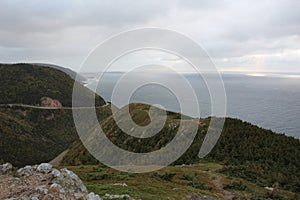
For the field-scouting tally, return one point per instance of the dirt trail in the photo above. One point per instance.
(56, 161)
(217, 181)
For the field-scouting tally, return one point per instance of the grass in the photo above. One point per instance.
(172, 182)
(146, 186)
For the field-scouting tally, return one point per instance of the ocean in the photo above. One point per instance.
(271, 101)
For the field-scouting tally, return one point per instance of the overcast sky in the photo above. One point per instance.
(262, 35)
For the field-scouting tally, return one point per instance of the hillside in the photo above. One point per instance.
(28, 83)
(30, 136)
(192, 182)
(245, 150)
(33, 135)
(256, 156)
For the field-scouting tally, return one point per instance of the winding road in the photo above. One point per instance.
(47, 108)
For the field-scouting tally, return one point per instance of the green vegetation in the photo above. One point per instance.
(168, 183)
(164, 184)
(37, 137)
(31, 135)
(258, 155)
(235, 185)
(247, 151)
(28, 83)
(28, 135)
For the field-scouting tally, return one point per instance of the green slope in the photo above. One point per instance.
(176, 182)
(247, 151)
(27, 83)
(37, 137)
(32, 135)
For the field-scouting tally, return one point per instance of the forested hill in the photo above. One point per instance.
(31, 135)
(28, 83)
(247, 151)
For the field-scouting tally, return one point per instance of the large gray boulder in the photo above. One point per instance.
(44, 168)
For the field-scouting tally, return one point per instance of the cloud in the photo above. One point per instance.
(232, 32)
(52, 16)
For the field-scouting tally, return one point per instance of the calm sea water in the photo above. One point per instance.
(271, 102)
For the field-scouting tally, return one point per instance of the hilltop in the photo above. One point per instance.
(68, 71)
(28, 83)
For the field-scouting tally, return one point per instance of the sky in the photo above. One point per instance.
(239, 36)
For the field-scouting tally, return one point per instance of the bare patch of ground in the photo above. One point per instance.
(56, 161)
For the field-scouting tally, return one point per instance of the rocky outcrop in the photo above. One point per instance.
(5, 169)
(51, 103)
(42, 182)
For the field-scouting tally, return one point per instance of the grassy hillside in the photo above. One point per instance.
(247, 151)
(175, 182)
(27, 83)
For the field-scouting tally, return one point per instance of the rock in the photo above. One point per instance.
(56, 173)
(41, 190)
(56, 188)
(44, 168)
(120, 184)
(48, 102)
(269, 188)
(42, 182)
(70, 173)
(74, 178)
(5, 168)
(116, 196)
(26, 171)
(93, 196)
